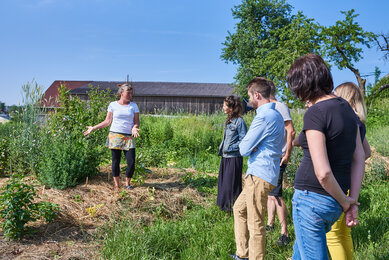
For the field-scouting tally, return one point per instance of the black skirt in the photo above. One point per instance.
(229, 184)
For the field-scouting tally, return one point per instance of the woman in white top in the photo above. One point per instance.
(123, 116)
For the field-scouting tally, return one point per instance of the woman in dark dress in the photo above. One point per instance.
(230, 174)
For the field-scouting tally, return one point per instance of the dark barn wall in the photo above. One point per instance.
(158, 104)
(155, 104)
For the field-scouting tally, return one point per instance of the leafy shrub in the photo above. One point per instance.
(67, 159)
(67, 156)
(17, 207)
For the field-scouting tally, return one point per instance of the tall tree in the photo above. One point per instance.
(268, 38)
(2, 106)
(343, 44)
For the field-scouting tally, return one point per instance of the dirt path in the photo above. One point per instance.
(88, 207)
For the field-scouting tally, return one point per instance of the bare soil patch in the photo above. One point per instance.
(87, 207)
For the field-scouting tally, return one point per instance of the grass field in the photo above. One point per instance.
(172, 215)
(204, 232)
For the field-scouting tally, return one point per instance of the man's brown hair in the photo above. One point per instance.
(260, 85)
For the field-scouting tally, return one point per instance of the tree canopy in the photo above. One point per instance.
(343, 43)
(268, 38)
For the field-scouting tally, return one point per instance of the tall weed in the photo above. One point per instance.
(24, 140)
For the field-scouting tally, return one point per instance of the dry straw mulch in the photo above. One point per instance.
(92, 205)
(375, 156)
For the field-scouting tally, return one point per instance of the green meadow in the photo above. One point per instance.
(204, 232)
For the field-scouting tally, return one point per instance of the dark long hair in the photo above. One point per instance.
(233, 102)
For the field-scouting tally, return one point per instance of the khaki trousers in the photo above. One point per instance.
(249, 218)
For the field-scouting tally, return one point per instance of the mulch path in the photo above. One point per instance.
(88, 207)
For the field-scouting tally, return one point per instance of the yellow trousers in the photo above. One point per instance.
(339, 240)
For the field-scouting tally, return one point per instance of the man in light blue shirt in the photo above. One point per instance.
(263, 145)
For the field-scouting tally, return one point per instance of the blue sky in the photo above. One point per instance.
(153, 40)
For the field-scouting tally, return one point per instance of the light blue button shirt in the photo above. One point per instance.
(266, 134)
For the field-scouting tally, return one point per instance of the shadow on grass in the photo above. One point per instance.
(202, 182)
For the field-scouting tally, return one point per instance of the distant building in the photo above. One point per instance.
(154, 97)
(4, 118)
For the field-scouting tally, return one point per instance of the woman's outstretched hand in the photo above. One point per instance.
(135, 132)
(90, 129)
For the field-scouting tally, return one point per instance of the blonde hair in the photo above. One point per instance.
(350, 92)
(124, 87)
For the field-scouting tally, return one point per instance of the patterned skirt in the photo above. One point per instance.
(119, 141)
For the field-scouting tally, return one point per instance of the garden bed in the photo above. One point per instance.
(87, 207)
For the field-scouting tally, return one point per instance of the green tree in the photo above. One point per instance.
(343, 44)
(268, 38)
(2, 106)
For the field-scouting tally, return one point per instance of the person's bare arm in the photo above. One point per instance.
(295, 141)
(318, 151)
(290, 134)
(357, 173)
(366, 148)
(135, 128)
(105, 123)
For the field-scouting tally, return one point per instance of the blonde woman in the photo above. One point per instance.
(123, 116)
(339, 239)
(353, 95)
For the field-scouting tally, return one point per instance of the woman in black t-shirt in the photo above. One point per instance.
(333, 159)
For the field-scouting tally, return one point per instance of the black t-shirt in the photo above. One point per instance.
(337, 121)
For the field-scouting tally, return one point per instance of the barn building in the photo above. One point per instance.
(155, 97)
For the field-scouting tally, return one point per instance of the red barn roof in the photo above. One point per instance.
(50, 97)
